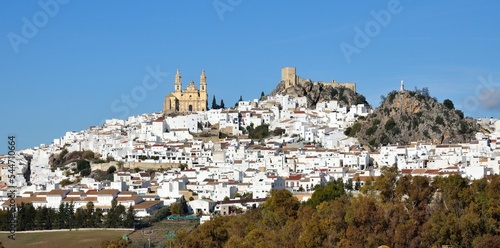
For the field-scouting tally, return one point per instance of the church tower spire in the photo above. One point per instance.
(203, 82)
(178, 82)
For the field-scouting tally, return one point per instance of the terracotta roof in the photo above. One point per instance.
(294, 177)
(107, 191)
(146, 204)
(25, 200)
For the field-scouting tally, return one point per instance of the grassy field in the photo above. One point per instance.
(72, 239)
(93, 238)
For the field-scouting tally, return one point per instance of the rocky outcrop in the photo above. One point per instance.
(319, 92)
(408, 116)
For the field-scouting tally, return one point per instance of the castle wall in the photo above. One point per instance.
(289, 76)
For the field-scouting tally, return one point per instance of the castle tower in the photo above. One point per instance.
(289, 76)
(203, 82)
(178, 82)
(402, 87)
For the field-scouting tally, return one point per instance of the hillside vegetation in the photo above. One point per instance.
(409, 116)
(396, 210)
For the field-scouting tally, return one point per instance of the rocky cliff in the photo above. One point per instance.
(319, 92)
(407, 116)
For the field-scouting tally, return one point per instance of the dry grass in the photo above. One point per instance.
(72, 239)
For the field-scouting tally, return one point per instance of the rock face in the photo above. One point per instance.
(408, 116)
(319, 92)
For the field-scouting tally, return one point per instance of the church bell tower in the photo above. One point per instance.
(203, 82)
(178, 82)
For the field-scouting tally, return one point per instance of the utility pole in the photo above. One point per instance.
(149, 236)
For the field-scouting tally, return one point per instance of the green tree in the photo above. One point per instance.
(80, 217)
(183, 166)
(111, 169)
(329, 192)
(278, 208)
(239, 100)
(262, 96)
(113, 216)
(259, 132)
(448, 104)
(91, 220)
(180, 207)
(386, 182)
(278, 131)
(82, 164)
(214, 103)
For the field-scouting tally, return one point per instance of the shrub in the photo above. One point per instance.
(354, 129)
(390, 124)
(88, 155)
(111, 169)
(371, 130)
(439, 120)
(110, 158)
(82, 164)
(85, 172)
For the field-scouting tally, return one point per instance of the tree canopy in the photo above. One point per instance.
(403, 211)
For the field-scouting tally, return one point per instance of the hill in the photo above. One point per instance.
(406, 116)
(318, 92)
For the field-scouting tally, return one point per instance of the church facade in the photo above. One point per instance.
(191, 99)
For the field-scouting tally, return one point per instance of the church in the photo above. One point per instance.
(189, 100)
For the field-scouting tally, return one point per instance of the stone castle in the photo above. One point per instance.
(290, 78)
(189, 100)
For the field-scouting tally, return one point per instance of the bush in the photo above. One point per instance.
(82, 164)
(259, 132)
(354, 129)
(88, 155)
(85, 172)
(384, 139)
(448, 104)
(111, 169)
(391, 96)
(390, 124)
(439, 120)
(278, 131)
(63, 153)
(371, 130)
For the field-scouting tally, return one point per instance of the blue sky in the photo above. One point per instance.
(72, 70)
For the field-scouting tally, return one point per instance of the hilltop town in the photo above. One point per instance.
(232, 158)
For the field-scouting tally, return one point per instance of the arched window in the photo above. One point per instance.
(190, 107)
